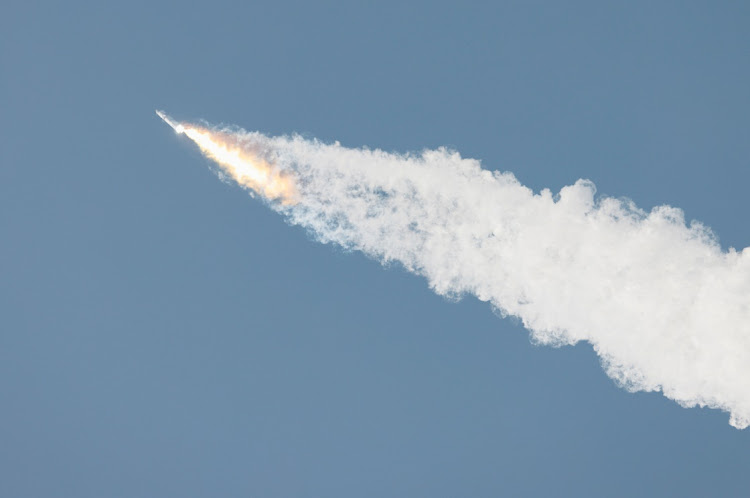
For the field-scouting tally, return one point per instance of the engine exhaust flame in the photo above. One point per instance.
(242, 166)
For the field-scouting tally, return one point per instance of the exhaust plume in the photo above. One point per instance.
(665, 308)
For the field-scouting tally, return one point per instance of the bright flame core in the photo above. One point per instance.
(244, 167)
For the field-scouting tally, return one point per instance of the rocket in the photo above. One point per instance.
(175, 126)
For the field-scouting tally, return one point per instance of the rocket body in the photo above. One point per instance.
(175, 126)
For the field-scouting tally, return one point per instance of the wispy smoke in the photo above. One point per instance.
(663, 306)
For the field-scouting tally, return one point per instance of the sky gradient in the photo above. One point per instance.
(163, 334)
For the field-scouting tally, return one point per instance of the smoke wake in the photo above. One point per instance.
(665, 308)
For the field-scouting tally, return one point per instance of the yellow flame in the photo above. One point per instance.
(244, 167)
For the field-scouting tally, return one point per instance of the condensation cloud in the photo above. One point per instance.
(665, 308)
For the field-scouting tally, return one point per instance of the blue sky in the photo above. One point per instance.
(163, 334)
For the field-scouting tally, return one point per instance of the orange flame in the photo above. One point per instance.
(244, 167)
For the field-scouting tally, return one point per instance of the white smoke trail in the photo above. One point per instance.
(663, 306)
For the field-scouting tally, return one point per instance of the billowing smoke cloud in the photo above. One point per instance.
(663, 306)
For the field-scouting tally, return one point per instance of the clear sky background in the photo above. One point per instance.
(163, 334)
